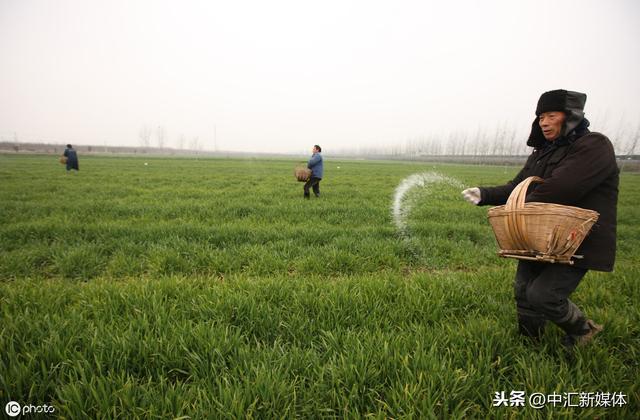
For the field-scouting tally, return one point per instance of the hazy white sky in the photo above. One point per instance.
(283, 75)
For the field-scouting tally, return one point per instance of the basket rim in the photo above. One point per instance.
(539, 206)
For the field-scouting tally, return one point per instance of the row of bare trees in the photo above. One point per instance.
(146, 135)
(500, 141)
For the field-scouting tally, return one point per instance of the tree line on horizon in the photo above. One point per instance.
(501, 141)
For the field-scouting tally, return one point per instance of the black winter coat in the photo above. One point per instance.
(580, 171)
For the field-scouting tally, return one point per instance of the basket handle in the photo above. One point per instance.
(515, 223)
(519, 193)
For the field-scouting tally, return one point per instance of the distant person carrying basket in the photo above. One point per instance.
(72, 158)
(317, 170)
(579, 169)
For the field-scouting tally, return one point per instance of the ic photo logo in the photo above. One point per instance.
(12, 409)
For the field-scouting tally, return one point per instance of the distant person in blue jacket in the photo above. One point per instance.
(72, 158)
(317, 170)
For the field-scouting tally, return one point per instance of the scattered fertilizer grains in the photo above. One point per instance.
(208, 288)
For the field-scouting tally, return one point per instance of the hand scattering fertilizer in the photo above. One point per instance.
(533, 231)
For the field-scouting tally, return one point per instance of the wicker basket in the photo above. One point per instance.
(302, 173)
(63, 160)
(539, 231)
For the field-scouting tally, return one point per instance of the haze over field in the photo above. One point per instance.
(280, 76)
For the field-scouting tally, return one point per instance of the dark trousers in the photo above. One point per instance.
(542, 293)
(314, 183)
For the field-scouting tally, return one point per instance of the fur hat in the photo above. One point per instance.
(569, 102)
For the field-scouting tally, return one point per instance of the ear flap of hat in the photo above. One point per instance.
(574, 111)
(536, 138)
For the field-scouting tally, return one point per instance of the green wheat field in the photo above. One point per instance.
(208, 288)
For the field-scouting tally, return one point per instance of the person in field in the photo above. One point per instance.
(72, 158)
(579, 169)
(317, 171)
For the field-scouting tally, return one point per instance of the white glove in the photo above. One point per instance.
(472, 195)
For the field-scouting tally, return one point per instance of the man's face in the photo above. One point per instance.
(551, 124)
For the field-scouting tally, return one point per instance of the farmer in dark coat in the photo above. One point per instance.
(317, 171)
(72, 158)
(579, 169)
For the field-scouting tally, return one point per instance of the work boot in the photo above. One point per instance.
(570, 341)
